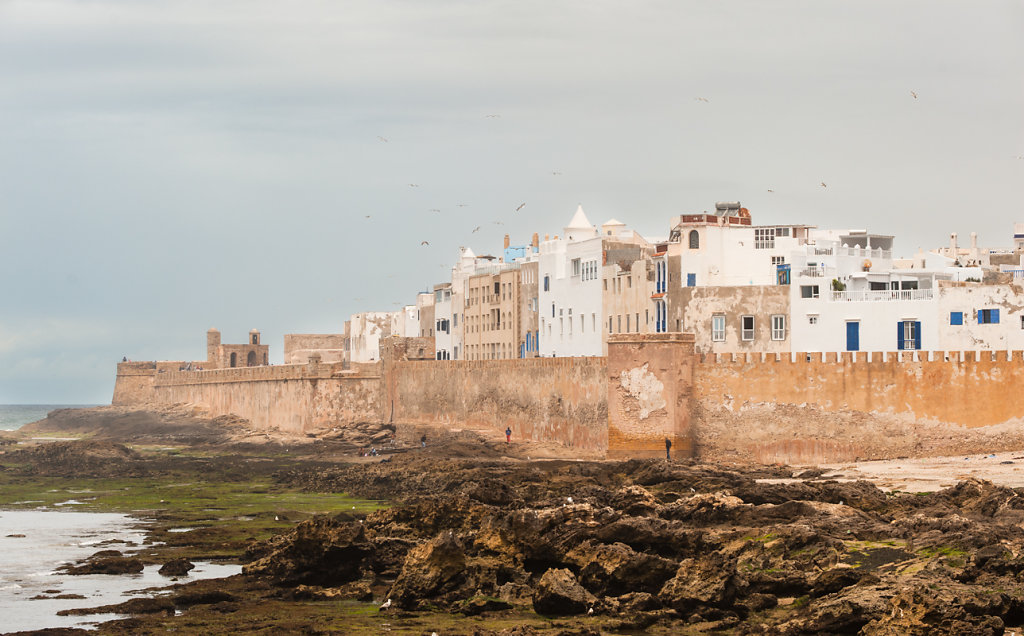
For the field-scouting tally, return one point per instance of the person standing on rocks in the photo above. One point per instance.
(668, 449)
(508, 435)
(423, 441)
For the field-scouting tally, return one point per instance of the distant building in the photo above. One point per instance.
(250, 354)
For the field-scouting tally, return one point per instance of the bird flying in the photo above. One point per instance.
(823, 184)
(913, 94)
(414, 185)
(770, 190)
(556, 173)
(382, 139)
(492, 116)
(475, 229)
(424, 242)
(701, 99)
(521, 206)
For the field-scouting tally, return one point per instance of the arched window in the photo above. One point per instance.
(694, 240)
(250, 360)
(234, 360)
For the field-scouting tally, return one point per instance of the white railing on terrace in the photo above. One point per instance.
(862, 251)
(817, 272)
(861, 295)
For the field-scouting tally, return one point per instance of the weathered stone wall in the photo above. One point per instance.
(840, 407)
(295, 399)
(134, 383)
(649, 384)
(299, 346)
(561, 400)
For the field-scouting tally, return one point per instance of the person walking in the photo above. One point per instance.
(508, 435)
(668, 449)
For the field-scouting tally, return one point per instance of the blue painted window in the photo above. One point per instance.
(988, 316)
(908, 335)
(547, 283)
(853, 336)
(956, 317)
(691, 280)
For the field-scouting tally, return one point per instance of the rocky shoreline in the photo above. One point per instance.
(476, 541)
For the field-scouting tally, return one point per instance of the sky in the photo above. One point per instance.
(171, 166)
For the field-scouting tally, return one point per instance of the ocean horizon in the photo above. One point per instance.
(14, 416)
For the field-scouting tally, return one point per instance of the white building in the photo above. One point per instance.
(365, 331)
(443, 319)
(571, 271)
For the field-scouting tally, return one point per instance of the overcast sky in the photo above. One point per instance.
(169, 166)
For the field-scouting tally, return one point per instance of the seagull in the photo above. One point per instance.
(701, 99)
(367, 216)
(491, 116)
(434, 210)
(521, 206)
(461, 205)
(569, 499)
(823, 184)
(590, 611)
(498, 223)
(382, 139)
(770, 190)
(386, 604)
(475, 229)
(424, 242)
(276, 518)
(414, 185)
(913, 94)
(556, 173)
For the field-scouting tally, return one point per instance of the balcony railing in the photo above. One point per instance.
(862, 295)
(817, 272)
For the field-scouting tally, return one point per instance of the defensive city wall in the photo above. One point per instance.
(794, 408)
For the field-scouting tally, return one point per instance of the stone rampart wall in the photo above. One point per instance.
(560, 400)
(819, 408)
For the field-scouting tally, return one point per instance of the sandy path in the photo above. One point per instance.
(934, 473)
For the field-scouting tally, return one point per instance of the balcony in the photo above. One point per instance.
(819, 271)
(869, 295)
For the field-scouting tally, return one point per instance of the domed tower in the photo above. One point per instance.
(212, 347)
(254, 337)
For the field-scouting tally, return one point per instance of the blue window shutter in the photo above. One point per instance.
(691, 280)
(899, 336)
(956, 318)
(994, 315)
(917, 335)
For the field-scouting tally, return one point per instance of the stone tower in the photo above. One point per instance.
(254, 337)
(212, 346)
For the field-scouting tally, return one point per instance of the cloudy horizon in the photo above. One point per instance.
(168, 166)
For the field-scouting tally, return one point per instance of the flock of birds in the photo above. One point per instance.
(426, 243)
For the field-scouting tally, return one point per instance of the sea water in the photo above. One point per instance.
(52, 538)
(14, 416)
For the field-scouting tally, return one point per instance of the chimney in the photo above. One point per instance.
(952, 244)
(507, 241)
(535, 242)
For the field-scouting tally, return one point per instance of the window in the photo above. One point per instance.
(660, 269)
(808, 291)
(455, 320)
(547, 283)
(988, 316)
(1022, 322)
(660, 316)
(627, 323)
(618, 323)
(764, 238)
(691, 280)
(575, 267)
(779, 327)
(747, 324)
(497, 288)
(812, 319)
(694, 240)
(610, 325)
(908, 333)
(778, 260)
(782, 231)
(718, 328)
(956, 317)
